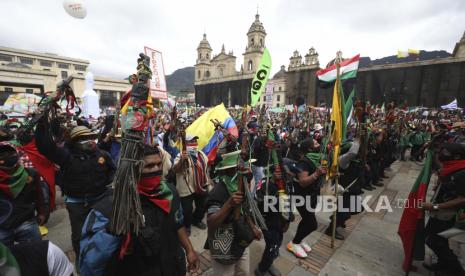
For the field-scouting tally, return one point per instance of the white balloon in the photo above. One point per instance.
(75, 8)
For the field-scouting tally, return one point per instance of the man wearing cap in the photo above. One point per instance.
(86, 172)
(191, 170)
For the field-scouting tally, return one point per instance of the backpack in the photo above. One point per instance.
(98, 246)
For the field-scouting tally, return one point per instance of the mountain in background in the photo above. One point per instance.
(424, 55)
(181, 81)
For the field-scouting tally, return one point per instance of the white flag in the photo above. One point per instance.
(452, 105)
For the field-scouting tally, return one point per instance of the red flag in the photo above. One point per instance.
(44, 167)
(412, 223)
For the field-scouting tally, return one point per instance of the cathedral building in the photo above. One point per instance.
(216, 77)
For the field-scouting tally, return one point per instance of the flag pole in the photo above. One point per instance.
(336, 185)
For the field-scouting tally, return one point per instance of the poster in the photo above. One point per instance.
(158, 83)
(269, 95)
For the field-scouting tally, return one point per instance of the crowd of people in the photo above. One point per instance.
(276, 154)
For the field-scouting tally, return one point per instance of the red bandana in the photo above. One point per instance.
(156, 191)
(451, 167)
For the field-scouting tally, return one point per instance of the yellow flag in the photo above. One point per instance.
(413, 52)
(402, 54)
(336, 121)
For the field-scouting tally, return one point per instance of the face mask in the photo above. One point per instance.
(87, 145)
(191, 148)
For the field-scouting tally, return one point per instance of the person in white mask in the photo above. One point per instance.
(191, 168)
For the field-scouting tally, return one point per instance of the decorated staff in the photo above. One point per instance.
(49, 104)
(250, 209)
(127, 213)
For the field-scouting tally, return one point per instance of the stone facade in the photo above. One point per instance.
(24, 71)
(430, 83)
(216, 77)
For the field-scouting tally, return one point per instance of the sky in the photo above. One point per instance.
(115, 31)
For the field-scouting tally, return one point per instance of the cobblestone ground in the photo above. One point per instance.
(371, 247)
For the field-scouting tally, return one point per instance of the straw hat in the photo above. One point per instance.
(230, 160)
(81, 131)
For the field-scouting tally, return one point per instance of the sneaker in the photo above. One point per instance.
(298, 251)
(306, 247)
(200, 225)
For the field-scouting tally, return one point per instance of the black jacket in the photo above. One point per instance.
(84, 175)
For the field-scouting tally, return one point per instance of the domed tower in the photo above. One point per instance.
(202, 66)
(255, 45)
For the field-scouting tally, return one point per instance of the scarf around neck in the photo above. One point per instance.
(13, 184)
(314, 157)
(156, 191)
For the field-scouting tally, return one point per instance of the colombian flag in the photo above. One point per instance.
(209, 139)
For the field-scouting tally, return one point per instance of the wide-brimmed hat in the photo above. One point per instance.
(81, 131)
(317, 127)
(230, 160)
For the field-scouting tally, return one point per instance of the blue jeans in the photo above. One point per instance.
(258, 175)
(26, 232)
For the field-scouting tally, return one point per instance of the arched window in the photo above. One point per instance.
(208, 56)
(221, 72)
(198, 74)
(200, 55)
(249, 66)
(252, 41)
(207, 74)
(261, 42)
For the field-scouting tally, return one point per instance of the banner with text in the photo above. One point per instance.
(158, 82)
(261, 77)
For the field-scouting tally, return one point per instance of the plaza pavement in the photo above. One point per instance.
(372, 246)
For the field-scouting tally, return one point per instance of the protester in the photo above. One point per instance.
(21, 191)
(229, 255)
(450, 198)
(86, 172)
(191, 168)
(158, 248)
(308, 184)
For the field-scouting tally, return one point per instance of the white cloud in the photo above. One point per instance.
(115, 31)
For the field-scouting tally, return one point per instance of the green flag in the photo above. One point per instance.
(347, 113)
(8, 264)
(261, 77)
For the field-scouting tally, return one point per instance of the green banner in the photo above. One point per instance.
(261, 77)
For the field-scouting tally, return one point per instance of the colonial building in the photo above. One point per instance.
(24, 71)
(216, 77)
(301, 81)
(430, 79)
